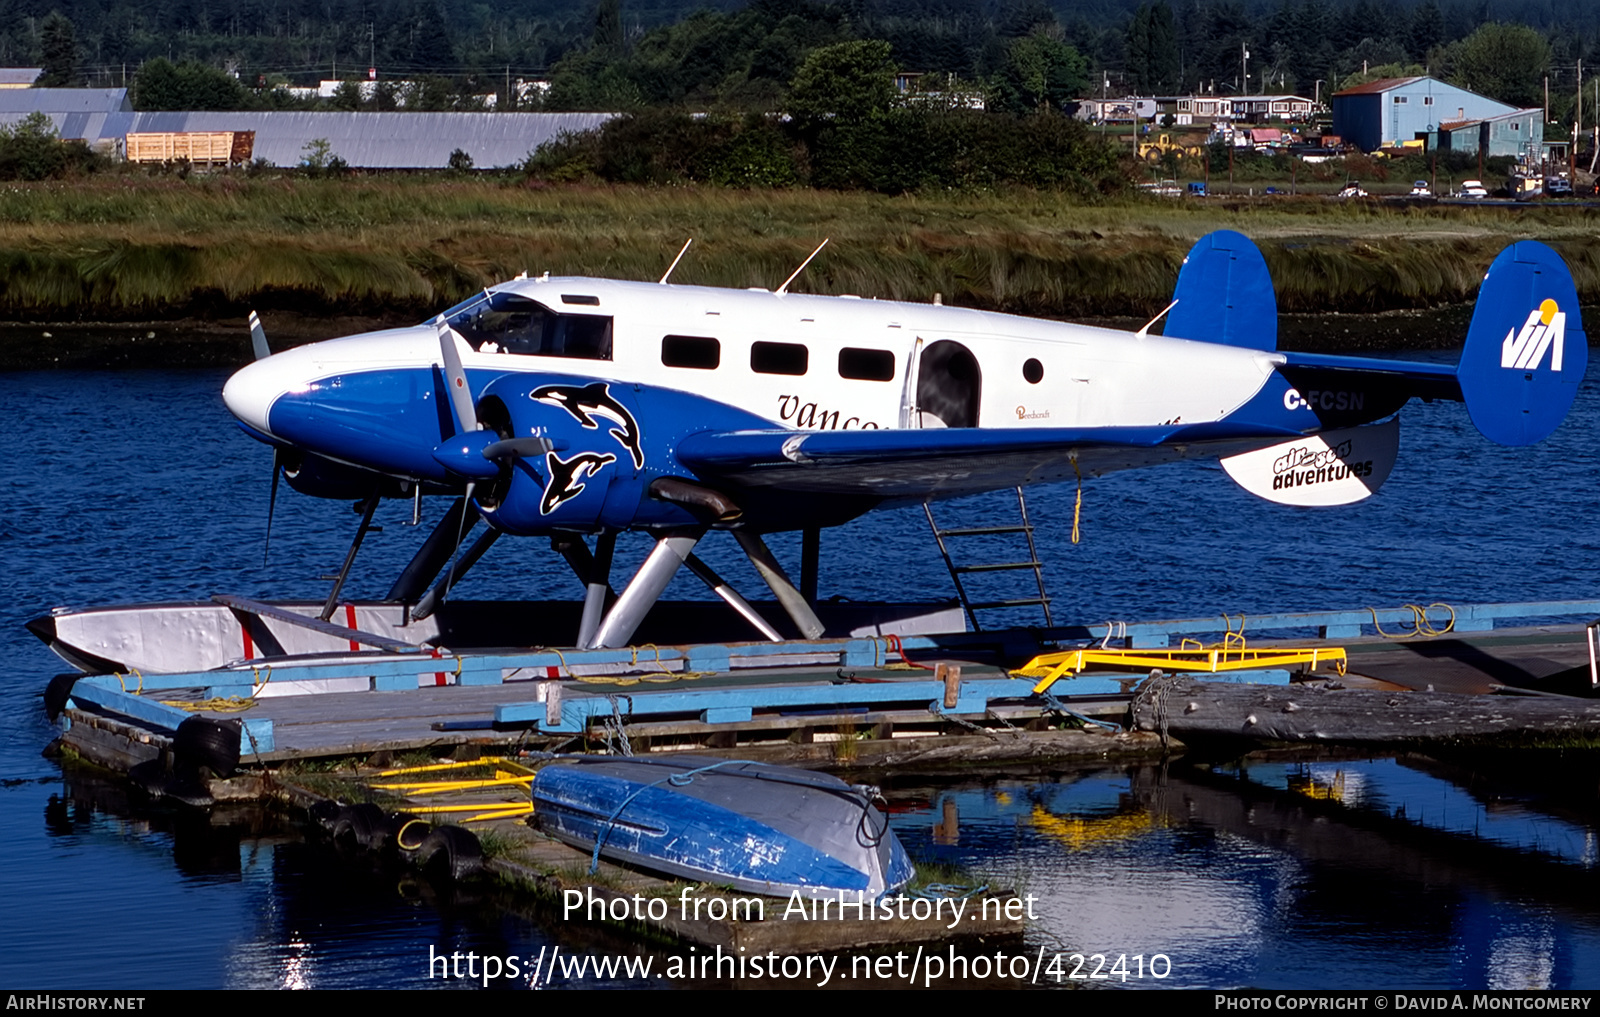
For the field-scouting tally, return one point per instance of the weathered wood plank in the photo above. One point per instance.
(1188, 710)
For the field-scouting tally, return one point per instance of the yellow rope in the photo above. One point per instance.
(1420, 625)
(217, 704)
(1077, 508)
(400, 838)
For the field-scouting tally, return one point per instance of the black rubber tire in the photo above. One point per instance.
(202, 741)
(57, 693)
(449, 852)
(363, 826)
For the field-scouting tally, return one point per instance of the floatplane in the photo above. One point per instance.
(578, 408)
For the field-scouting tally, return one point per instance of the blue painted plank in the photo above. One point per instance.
(107, 694)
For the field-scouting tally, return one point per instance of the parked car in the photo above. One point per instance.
(1420, 189)
(1352, 190)
(1197, 189)
(1472, 189)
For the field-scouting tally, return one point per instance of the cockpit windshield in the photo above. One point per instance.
(501, 322)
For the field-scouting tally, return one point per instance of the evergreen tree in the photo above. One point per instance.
(608, 26)
(1138, 65)
(1427, 29)
(1165, 66)
(58, 48)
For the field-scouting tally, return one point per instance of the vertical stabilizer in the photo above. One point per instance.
(1225, 294)
(1526, 351)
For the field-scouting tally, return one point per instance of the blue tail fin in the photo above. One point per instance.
(1526, 352)
(1225, 295)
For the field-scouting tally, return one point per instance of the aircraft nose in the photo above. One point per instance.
(250, 393)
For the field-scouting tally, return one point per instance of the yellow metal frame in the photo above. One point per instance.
(1051, 667)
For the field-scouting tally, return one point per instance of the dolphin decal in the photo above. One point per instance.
(589, 401)
(566, 477)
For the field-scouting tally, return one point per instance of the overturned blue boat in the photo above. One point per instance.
(758, 828)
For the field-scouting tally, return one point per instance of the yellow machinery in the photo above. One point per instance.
(1230, 656)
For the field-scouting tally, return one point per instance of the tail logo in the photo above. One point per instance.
(1546, 328)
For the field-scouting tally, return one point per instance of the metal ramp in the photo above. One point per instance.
(957, 572)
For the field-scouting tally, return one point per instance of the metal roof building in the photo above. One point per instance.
(1392, 110)
(363, 140)
(19, 77)
(1519, 133)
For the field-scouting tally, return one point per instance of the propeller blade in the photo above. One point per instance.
(518, 448)
(258, 338)
(272, 500)
(456, 379)
(461, 533)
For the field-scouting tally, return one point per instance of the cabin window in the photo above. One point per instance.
(1032, 371)
(866, 365)
(512, 323)
(580, 298)
(778, 358)
(700, 353)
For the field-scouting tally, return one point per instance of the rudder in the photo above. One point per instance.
(1526, 351)
(1225, 295)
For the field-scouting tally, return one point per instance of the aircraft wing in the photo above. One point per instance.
(942, 463)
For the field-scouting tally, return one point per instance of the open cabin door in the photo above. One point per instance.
(949, 385)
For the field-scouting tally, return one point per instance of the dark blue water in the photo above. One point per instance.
(136, 486)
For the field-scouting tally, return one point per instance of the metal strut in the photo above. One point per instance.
(597, 595)
(435, 552)
(793, 602)
(368, 507)
(430, 603)
(645, 589)
(720, 587)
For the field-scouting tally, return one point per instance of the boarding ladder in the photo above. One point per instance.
(957, 572)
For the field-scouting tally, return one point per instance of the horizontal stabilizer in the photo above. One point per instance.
(1526, 351)
(1331, 468)
(1224, 294)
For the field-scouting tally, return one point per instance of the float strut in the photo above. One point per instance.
(428, 604)
(804, 617)
(368, 507)
(810, 558)
(597, 595)
(644, 589)
(722, 589)
(434, 553)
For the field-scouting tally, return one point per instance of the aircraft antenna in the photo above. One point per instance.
(1146, 330)
(663, 280)
(781, 290)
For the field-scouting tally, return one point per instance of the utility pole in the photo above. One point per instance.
(1244, 70)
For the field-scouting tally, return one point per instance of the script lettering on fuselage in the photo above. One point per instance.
(793, 410)
(1327, 399)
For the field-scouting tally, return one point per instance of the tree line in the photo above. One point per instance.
(621, 54)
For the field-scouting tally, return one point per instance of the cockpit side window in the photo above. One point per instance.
(512, 323)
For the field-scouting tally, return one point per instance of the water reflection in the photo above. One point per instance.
(1286, 873)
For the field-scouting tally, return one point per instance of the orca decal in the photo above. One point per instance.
(585, 402)
(566, 477)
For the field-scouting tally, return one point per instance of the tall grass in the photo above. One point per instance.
(131, 247)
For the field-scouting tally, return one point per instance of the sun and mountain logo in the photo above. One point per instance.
(1546, 328)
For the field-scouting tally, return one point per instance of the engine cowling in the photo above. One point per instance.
(609, 442)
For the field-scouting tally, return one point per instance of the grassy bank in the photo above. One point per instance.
(123, 248)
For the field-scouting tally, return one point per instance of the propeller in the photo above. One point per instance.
(473, 453)
(258, 346)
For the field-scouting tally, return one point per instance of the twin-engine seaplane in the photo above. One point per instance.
(577, 408)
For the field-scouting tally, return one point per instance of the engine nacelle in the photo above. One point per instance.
(610, 441)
